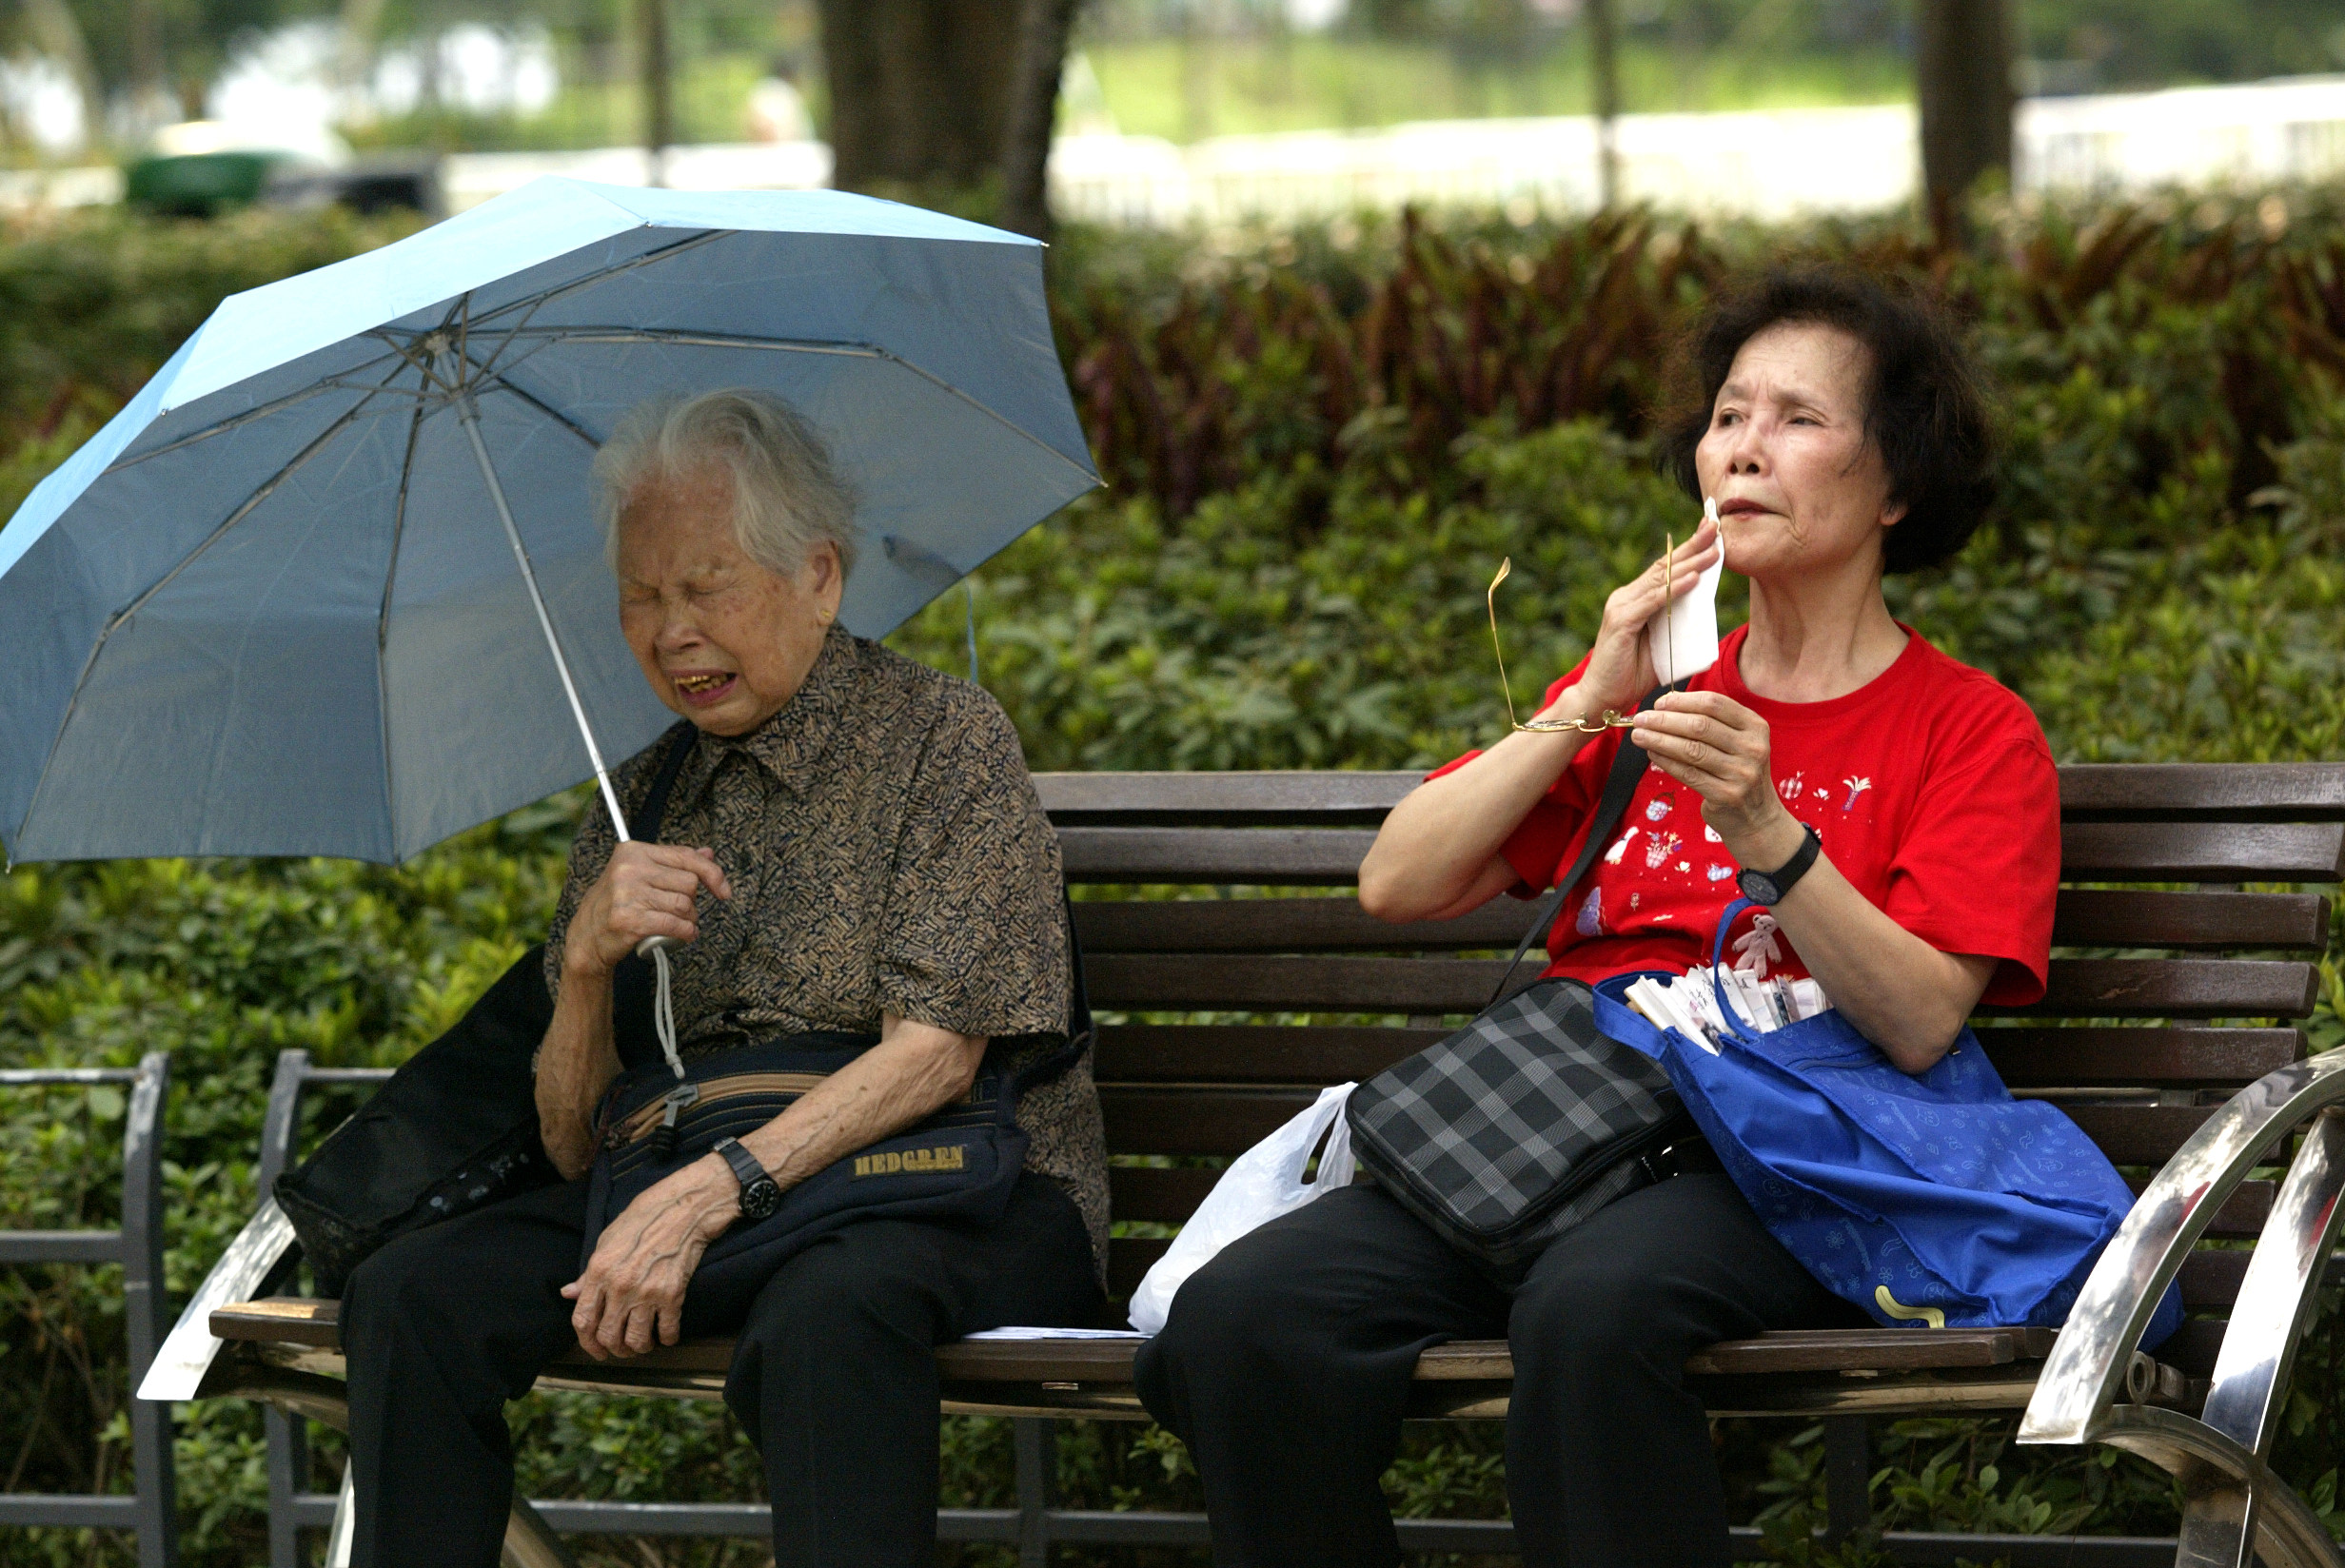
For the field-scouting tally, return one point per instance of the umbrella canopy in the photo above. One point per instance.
(272, 607)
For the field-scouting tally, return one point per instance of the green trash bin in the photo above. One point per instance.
(199, 185)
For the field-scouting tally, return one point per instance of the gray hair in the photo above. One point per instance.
(787, 497)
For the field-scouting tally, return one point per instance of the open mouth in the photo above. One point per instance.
(701, 689)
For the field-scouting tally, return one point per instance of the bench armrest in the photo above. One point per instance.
(239, 1275)
(2086, 1372)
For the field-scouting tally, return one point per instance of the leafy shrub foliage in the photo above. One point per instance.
(1318, 445)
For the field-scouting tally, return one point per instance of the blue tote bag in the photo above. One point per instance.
(1935, 1199)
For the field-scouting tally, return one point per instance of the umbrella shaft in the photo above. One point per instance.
(471, 418)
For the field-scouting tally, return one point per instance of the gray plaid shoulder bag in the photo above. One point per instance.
(1528, 1120)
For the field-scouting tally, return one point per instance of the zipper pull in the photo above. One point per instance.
(677, 1100)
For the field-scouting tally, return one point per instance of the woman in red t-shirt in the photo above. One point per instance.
(1905, 805)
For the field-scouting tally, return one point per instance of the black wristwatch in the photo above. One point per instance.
(759, 1196)
(1769, 887)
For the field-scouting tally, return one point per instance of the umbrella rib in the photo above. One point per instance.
(316, 389)
(383, 623)
(545, 408)
(114, 621)
(797, 346)
(530, 304)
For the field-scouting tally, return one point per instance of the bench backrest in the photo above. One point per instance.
(1228, 999)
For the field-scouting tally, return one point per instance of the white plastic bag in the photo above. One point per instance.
(1260, 1185)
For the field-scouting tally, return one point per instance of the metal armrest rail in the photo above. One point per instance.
(2232, 1504)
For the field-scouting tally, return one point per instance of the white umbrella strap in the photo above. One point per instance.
(663, 1013)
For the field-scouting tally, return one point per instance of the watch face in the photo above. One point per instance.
(760, 1199)
(1758, 887)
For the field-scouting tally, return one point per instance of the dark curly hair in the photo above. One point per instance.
(1925, 410)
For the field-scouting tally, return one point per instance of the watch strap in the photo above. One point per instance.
(745, 1167)
(1784, 878)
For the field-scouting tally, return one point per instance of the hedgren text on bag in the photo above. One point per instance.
(1929, 1198)
(1527, 1121)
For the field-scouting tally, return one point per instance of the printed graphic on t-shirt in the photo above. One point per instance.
(1931, 789)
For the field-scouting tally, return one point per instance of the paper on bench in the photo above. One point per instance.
(187, 1352)
(1059, 1334)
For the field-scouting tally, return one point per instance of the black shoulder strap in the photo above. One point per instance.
(1619, 785)
(647, 822)
(1080, 1030)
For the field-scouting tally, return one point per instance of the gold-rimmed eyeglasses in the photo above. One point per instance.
(1613, 719)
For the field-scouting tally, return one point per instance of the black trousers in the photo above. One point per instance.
(1286, 1366)
(834, 1375)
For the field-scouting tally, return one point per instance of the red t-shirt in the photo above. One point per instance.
(1932, 788)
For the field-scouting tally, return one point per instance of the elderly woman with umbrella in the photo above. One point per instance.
(856, 845)
(272, 609)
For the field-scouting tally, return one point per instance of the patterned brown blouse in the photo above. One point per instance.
(887, 852)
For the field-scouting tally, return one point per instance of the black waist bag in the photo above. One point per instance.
(1529, 1118)
(959, 1164)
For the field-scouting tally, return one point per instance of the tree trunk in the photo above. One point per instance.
(659, 90)
(920, 89)
(1603, 57)
(1966, 100)
(50, 26)
(151, 94)
(1033, 114)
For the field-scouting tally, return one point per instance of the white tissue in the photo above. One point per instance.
(1683, 638)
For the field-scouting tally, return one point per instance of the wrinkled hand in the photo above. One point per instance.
(1620, 667)
(632, 1294)
(646, 890)
(1722, 750)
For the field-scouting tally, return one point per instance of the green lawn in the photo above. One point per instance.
(1224, 86)
(1164, 87)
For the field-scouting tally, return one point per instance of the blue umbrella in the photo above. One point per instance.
(273, 607)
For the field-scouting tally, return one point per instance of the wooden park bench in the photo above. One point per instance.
(2169, 1033)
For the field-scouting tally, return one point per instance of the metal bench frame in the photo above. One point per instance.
(137, 1246)
(1211, 1088)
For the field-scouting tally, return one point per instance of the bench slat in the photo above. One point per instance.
(1165, 1196)
(1227, 1120)
(2296, 792)
(2260, 792)
(2131, 917)
(2201, 851)
(1169, 1196)
(2139, 1058)
(2026, 1057)
(2095, 917)
(1223, 800)
(1109, 1362)
(1249, 856)
(2090, 852)
(2117, 988)
(2210, 1279)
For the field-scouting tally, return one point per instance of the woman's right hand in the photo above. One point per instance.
(1620, 667)
(646, 890)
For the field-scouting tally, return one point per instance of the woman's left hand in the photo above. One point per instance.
(1721, 751)
(632, 1294)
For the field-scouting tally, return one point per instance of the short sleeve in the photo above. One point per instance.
(973, 937)
(1978, 870)
(1551, 828)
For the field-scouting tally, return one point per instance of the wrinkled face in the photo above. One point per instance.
(1800, 488)
(723, 641)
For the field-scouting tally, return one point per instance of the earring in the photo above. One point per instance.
(824, 615)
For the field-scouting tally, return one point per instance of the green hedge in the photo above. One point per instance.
(1319, 443)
